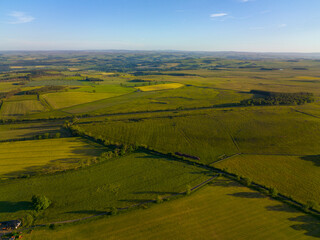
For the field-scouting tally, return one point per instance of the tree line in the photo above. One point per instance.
(273, 98)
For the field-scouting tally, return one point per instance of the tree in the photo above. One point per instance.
(57, 135)
(159, 199)
(188, 190)
(40, 202)
(46, 135)
(273, 192)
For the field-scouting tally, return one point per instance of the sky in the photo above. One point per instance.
(192, 25)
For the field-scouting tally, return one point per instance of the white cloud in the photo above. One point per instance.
(20, 17)
(283, 25)
(216, 15)
(244, 1)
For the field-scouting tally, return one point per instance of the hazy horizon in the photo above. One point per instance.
(259, 26)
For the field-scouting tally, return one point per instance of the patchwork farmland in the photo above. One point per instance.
(227, 148)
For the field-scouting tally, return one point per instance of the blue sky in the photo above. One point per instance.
(205, 25)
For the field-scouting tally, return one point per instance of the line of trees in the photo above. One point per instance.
(272, 98)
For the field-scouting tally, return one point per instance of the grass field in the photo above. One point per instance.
(212, 133)
(25, 157)
(66, 99)
(19, 108)
(160, 87)
(29, 130)
(118, 182)
(197, 135)
(224, 210)
(185, 97)
(298, 177)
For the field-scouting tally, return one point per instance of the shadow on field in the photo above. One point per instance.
(247, 195)
(312, 158)
(49, 167)
(157, 193)
(282, 208)
(309, 224)
(10, 207)
(135, 200)
(90, 212)
(224, 183)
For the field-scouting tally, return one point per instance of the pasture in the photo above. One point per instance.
(224, 210)
(12, 109)
(47, 155)
(20, 131)
(294, 176)
(119, 182)
(215, 133)
(198, 135)
(66, 99)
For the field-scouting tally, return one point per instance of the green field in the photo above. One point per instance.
(224, 210)
(199, 135)
(67, 99)
(184, 97)
(118, 182)
(298, 177)
(20, 131)
(212, 133)
(25, 157)
(13, 109)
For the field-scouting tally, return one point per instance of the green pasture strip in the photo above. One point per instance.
(225, 210)
(119, 182)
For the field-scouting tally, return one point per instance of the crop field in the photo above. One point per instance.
(186, 97)
(118, 182)
(29, 130)
(67, 99)
(160, 87)
(224, 210)
(19, 108)
(197, 135)
(24, 157)
(213, 133)
(293, 176)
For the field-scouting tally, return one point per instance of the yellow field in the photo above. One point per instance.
(28, 156)
(160, 87)
(223, 211)
(66, 99)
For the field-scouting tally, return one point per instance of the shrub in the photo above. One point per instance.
(188, 190)
(247, 181)
(273, 192)
(114, 211)
(40, 202)
(159, 199)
